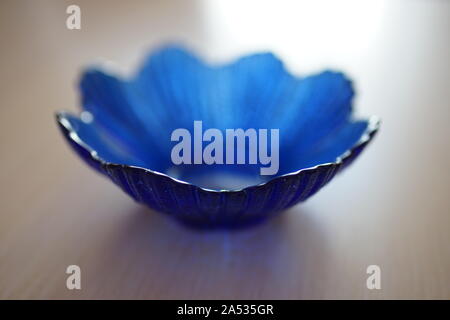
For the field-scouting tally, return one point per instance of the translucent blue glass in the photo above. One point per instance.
(125, 127)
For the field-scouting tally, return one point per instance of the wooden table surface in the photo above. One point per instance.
(391, 209)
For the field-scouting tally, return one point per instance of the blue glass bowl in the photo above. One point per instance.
(125, 127)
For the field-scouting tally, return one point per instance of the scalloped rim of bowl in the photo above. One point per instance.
(374, 123)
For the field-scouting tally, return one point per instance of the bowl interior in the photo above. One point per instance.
(134, 121)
